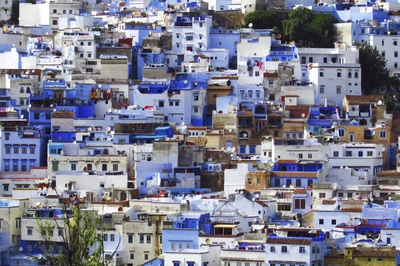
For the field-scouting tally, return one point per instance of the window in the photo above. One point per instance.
(18, 223)
(54, 166)
(54, 22)
(130, 238)
(54, 11)
(300, 204)
(383, 54)
(335, 154)
(380, 259)
(132, 256)
(141, 239)
(73, 166)
(8, 150)
(21, 90)
(333, 222)
(161, 104)
(322, 195)
(15, 167)
(148, 239)
(104, 167)
(64, 11)
(36, 116)
(322, 89)
(7, 136)
(349, 154)
(16, 150)
(105, 237)
(310, 60)
(24, 150)
(196, 109)
(32, 150)
(178, 263)
(338, 89)
(349, 75)
(310, 156)
(284, 249)
(189, 38)
(321, 221)
(302, 249)
(112, 237)
(396, 54)
(249, 181)
(356, 75)
(321, 74)
(29, 231)
(382, 134)
(5, 187)
(341, 132)
(369, 153)
(360, 154)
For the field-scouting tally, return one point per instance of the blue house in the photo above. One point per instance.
(185, 232)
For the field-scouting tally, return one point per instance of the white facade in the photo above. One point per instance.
(235, 179)
(34, 14)
(10, 59)
(361, 157)
(209, 253)
(191, 37)
(334, 73)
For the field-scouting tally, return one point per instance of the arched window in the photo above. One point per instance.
(143, 157)
(356, 75)
(21, 90)
(349, 75)
(28, 90)
(148, 157)
(21, 102)
(105, 151)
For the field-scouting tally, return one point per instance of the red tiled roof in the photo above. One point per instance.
(351, 210)
(388, 173)
(300, 191)
(286, 161)
(294, 174)
(288, 241)
(328, 202)
(63, 115)
(363, 99)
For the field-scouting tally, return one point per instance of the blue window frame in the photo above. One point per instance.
(242, 149)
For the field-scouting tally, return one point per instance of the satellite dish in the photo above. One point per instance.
(21, 249)
(182, 123)
(89, 129)
(303, 115)
(235, 243)
(253, 199)
(245, 135)
(208, 241)
(257, 196)
(22, 116)
(250, 25)
(222, 148)
(229, 149)
(380, 102)
(185, 81)
(39, 256)
(233, 149)
(150, 192)
(109, 110)
(51, 105)
(108, 129)
(209, 159)
(280, 109)
(157, 210)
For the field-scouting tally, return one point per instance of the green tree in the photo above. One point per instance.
(263, 19)
(73, 239)
(375, 77)
(309, 29)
